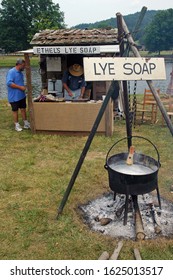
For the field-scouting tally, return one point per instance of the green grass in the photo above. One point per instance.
(35, 170)
(10, 60)
(153, 54)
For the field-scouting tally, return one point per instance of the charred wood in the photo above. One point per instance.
(157, 227)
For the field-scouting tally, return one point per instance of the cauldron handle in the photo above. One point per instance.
(158, 156)
(133, 137)
(105, 166)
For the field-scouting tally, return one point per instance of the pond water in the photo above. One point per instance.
(36, 82)
(35, 76)
(162, 84)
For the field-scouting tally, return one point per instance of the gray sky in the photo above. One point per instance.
(90, 11)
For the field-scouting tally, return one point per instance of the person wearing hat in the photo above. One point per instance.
(16, 93)
(73, 82)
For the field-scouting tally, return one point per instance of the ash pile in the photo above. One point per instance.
(106, 216)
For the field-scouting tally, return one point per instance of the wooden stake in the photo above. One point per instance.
(117, 250)
(29, 90)
(137, 254)
(104, 256)
(140, 234)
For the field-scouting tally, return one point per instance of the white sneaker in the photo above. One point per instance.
(18, 127)
(26, 125)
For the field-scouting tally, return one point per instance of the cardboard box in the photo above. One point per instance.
(69, 117)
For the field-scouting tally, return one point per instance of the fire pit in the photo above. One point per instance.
(135, 179)
(96, 211)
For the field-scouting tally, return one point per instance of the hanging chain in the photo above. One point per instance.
(128, 89)
(134, 108)
(130, 106)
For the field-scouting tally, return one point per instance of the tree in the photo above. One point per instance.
(21, 19)
(158, 34)
(129, 19)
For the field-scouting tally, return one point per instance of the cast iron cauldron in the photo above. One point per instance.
(140, 179)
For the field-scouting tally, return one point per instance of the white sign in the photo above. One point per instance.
(67, 50)
(122, 69)
(87, 50)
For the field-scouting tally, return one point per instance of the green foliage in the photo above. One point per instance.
(21, 19)
(158, 34)
(129, 19)
(10, 60)
(155, 31)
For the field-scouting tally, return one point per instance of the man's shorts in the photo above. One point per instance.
(21, 104)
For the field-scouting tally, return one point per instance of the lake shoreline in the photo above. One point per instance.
(36, 80)
(10, 60)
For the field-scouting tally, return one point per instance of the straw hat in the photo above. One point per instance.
(76, 70)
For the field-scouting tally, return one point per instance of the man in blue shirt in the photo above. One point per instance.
(73, 82)
(16, 93)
